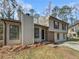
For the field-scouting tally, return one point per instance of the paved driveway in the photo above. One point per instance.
(72, 44)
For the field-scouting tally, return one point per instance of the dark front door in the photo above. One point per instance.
(42, 34)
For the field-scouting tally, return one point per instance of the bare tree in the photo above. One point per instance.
(20, 12)
(37, 17)
(8, 8)
(66, 13)
(32, 11)
(55, 11)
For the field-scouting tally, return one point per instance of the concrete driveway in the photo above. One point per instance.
(72, 44)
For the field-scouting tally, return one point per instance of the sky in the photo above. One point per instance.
(40, 5)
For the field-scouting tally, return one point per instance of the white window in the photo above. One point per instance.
(36, 32)
(1, 31)
(56, 25)
(14, 32)
(63, 26)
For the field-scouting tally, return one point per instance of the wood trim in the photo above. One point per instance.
(56, 19)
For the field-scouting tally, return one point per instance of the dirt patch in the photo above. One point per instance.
(14, 48)
(11, 51)
(37, 51)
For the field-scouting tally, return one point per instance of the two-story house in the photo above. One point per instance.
(57, 30)
(26, 31)
(73, 30)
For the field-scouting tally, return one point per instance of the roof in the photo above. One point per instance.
(42, 20)
(73, 25)
(11, 20)
(18, 21)
(77, 21)
(41, 25)
(51, 17)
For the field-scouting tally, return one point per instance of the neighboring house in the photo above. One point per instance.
(72, 30)
(28, 31)
(57, 30)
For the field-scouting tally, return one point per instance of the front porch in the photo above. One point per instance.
(40, 33)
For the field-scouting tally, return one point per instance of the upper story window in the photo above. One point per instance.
(63, 26)
(56, 25)
(14, 32)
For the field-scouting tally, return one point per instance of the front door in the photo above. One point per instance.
(42, 34)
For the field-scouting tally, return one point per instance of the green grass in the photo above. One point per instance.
(43, 52)
(73, 39)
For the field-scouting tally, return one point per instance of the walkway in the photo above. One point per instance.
(72, 44)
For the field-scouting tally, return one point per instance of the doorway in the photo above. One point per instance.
(42, 34)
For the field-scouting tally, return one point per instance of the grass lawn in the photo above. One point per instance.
(42, 52)
(74, 39)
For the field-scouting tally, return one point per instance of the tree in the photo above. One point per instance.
(1, 10)
(8, 8)
(32, 11)
(72, 20)
(37, 17)
(55, 11)
(65, 12)
(76, 10)
(20, 12)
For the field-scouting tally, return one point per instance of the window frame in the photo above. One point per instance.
(11, 33)
(56, 25)
(36, 32)
(63, 26)
(2, 33)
